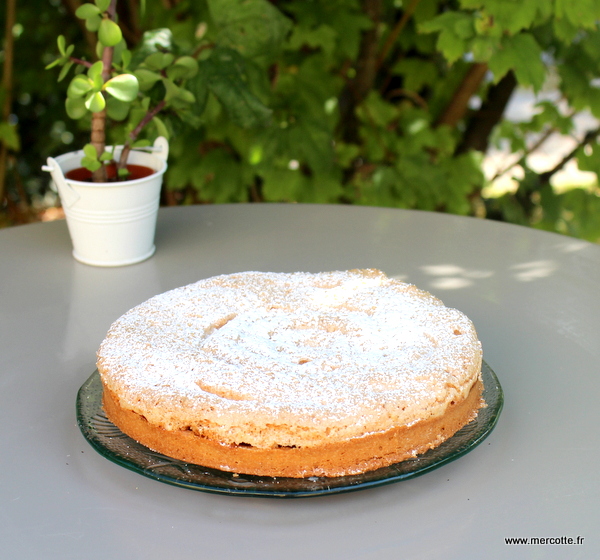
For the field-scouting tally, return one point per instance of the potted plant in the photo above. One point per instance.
(111, 194)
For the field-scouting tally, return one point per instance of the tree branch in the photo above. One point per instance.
(366, 70)
(395, 33)
(482, 123)
(7, 85)
(459, 104)
(537, 182)
(588, 138)
(536, 146)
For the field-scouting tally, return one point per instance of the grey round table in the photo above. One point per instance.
(533, 296)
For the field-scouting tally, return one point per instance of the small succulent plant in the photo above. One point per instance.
(111, 89)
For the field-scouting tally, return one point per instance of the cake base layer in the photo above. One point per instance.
(354, 456)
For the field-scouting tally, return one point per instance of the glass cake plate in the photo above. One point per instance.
(113, 444)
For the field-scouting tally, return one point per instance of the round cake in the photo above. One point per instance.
(292, 374)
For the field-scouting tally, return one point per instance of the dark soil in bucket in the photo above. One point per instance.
(135, 172)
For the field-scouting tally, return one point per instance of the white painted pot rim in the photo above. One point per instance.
(65, 162)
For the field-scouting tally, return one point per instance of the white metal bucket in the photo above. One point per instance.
(112, 224)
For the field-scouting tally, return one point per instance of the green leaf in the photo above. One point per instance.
(93, 23)
(416, 73)
(80, 85)
(483, 48)
(224, 75)
(378, 111)
(305, 141)
(53, 64)
(186, 96)
(191, 118)
(161, 128)
(506, 17)
(95, 74)
(90, 164)
(103, 5)
(118, 50)
(323, 37)
(323, 189)
(64, 71)
(117, 110)
(350, 27)
(313, 144)
(86, 11)
(158, 60)
(124, 87)
(219, 176)
(199, 87)
(109, 33)
(90, 151)
(125, 58)
(106, 156)
(255, 28)
(581, 14)
(176, 93)
(346, 153)
(152, 41)
(62, 44)
(75, 108)
(141, 143)
(282, 185)
(146, 78)
(577, 86)
(172, 91)
(455, 30)
(183, 68)
(95, 102)
(522, 54)
(9, 136)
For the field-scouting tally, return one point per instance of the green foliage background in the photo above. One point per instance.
(373, 102)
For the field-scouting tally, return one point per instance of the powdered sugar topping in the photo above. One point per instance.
(335, 347)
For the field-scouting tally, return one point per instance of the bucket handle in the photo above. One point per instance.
(160, 148)
(68, 195)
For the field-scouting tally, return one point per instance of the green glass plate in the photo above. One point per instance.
(113, 444)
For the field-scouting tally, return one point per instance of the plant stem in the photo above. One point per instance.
(136, 131)
(80, 61)
(98, 136)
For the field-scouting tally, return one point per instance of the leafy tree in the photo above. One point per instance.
(377, 102)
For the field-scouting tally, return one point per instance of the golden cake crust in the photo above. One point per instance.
(292, 374)
(355, 456)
